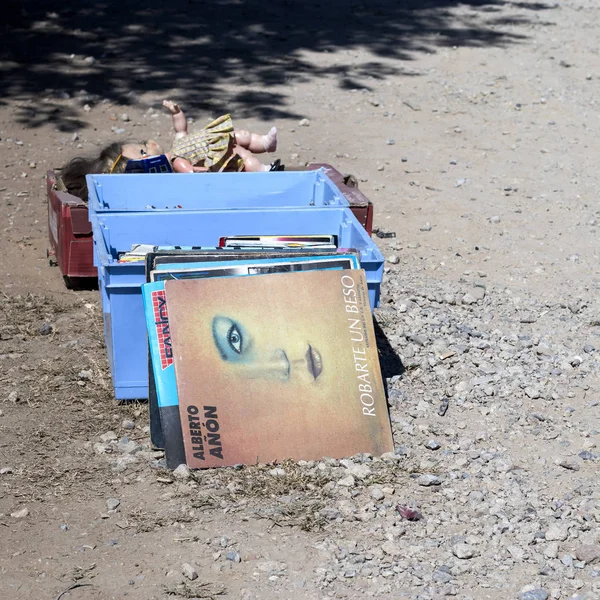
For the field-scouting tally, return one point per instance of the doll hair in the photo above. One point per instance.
(74, 172)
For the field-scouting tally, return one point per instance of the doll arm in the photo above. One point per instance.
(179, 120)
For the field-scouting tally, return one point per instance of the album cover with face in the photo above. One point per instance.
(276, 366)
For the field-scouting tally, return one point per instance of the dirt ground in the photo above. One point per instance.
(472, 126)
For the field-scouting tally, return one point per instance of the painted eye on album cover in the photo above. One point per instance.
(234, 337)
(229, 339)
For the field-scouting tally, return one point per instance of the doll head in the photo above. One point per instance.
(112, 159)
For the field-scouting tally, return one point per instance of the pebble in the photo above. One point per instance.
(20, 514)
(190, 571)
(393, 259)
(570, 465)
(128, 424)
(428, 479)
(536, 594)
(463, 551)
(588, 554)
(426, 227)
(348, 481)
(377, 493)
(182, 472)
(432, 445)
(125, 118)
(473, 296)
(304, 123)
(109, 436)
(391, 142)
(495, 219)
(6, 471)
(233, 556)
(557, 532)
(113, 503)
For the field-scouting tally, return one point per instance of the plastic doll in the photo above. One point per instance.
(216, 147)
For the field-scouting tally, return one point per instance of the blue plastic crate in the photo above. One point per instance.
(120, 284)
(212, 191)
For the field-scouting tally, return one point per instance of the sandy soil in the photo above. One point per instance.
(472, 126)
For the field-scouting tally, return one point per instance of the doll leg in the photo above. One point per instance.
(251, 163)
(179, 120)
(257, 143)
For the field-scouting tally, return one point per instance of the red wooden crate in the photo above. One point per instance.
(70, 232)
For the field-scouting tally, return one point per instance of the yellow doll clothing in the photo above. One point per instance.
(210, 147)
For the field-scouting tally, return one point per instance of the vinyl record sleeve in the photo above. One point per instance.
(276, 366)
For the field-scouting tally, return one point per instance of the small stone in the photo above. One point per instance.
(557, 532)
(551, 550)
(426, 227)
(45, 329)
(347, 481)
(473, 296)
(375, 102)
(189, 571)
(588, 348)
(304, 123)
(125, 118)
(570, 465)
(527, 317)
(233, 556)
(575, 361)
(393, 259)
(75, 137)
(85, 375)
(532, 393)
(109, 436)
(463, 551)
(112, 503)
(536, 594)
(64, 527)
(182, 472)
(360, 471)
(432, 445)
(588, 554)
(20, 514)
(87, 108)
(428, 480)
(391, 142)
(495, 219)
(329, 513)
(391, 548)
(6, 471)
(128, 424)
(377, 493)
(277, 472)
(381, 168)
(89, 60)
(32, 165)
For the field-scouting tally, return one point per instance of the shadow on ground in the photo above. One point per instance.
(117, 50)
